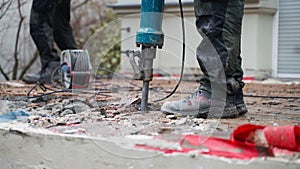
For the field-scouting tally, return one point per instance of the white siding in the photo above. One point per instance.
(289, 38)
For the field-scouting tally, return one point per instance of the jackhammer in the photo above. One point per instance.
(149, 37)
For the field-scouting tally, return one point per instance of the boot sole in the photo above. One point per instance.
(213, 112)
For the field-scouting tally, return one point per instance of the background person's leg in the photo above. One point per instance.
(63, 34)
(41, 30)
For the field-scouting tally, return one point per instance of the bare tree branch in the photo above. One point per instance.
(16, 65)
(30, 63)
(5, 5)
(4, 74)
(80, 5)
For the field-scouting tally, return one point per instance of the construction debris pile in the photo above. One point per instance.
(116, 112)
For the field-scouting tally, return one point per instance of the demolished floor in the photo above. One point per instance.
(109, 109)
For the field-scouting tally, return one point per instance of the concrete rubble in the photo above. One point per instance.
(88, 130)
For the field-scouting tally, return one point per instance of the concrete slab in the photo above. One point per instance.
(24, 147)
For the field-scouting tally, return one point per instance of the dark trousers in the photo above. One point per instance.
(219, 23)
(49, 23)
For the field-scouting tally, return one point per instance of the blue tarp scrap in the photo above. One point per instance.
(11, 116)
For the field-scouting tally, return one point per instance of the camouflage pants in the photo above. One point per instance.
(219, 23)
(49, 23)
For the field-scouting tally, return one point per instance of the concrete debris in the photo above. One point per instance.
(67, 112)
(74, 131)
(12, 84)
(77, 107)
(171, 117)
(76, 118)
(164, 130)
(117, 114)
(181, 121)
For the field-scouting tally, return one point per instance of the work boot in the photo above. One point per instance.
(198, 105)
(44, 76)
(239, 102)
(234, 107)
(235, 95)
(192, 105)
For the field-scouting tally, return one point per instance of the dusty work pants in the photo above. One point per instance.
(219, 23)
(49, 23)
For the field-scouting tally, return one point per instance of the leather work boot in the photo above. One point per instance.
(239, 102)
(44, 76)
(235, 95)
(199, 105)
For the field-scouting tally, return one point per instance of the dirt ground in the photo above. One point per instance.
(110, 108)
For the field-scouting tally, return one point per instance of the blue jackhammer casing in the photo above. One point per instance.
(150, 33)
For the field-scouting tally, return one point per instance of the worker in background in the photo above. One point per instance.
(219, 56)
(49, 23)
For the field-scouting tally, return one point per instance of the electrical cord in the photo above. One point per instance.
(272, 97)
(155, 89)
(53, 91)
(81, 91)
(183, 56)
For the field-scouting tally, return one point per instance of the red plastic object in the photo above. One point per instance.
(283, 137)
(282, 140)
(248, 78)
(211, 146)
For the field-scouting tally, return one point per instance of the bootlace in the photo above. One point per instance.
(192, 96)
(195, 95)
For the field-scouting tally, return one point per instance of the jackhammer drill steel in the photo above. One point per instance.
(148, 55)
(145, 93)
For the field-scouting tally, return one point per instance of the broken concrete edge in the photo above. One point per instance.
(25, 147)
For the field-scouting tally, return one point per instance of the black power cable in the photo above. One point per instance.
(245, 95)
(272, 97)
(94, 91)
(183, 55)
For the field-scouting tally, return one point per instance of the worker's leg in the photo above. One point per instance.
(220, 28)
(221, 64)
(41, 30)
(233, 69)
(62, 29)
(221, 32)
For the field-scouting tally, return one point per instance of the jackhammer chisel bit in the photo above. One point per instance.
(149, 37)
